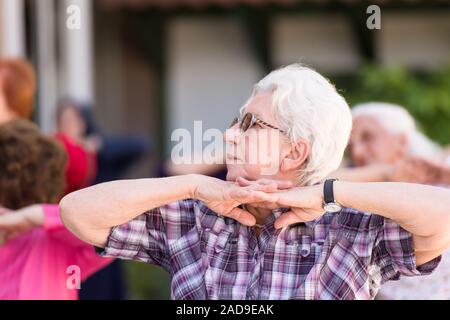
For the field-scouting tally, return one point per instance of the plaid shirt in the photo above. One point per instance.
(338, 256)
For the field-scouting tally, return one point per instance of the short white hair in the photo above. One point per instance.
(308, 107)
(397, 120)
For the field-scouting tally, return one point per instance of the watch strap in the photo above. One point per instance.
(328, 194)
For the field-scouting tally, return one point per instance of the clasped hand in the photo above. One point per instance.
(226, 198)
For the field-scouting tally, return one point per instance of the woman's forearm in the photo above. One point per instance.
(422, 210)
(91, 213)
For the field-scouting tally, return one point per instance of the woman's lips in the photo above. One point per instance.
(232, 158)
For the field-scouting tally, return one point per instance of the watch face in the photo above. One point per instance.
(332, 207)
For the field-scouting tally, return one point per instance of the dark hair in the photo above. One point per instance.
(32, 166)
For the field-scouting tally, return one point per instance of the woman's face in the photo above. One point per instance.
(258, 152)
(371, 143)
(71, 123)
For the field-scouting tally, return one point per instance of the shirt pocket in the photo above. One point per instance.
(220, 249)
(303, 244)
(307, 264)
(221, 256)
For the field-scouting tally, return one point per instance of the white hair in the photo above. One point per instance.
(397, 120)
(308, 107)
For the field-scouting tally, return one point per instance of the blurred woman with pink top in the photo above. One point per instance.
(39, 258)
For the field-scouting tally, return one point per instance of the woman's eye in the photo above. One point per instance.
(366, 137)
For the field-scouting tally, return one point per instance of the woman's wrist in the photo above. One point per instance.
(340, 190)
(34, 214)
(195, 182)
(200, 185)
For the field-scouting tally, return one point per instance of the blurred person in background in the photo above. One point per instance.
(269, 235)
(35, 247)
(82, 151)
(114, 156)
(386, 145)
(17, 89)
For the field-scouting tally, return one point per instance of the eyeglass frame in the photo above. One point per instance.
(254, 119)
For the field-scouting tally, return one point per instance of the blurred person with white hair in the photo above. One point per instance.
(386, 144)
(287, 233)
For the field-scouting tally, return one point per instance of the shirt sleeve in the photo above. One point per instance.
(56, 230)
(52, 219)
(146, 238)
(394, 253)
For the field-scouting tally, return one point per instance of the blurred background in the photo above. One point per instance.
(146, 67)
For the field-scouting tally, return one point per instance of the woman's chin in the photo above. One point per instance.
(231, 176)
(233, 173)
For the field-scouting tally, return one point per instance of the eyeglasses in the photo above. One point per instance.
(249, 119)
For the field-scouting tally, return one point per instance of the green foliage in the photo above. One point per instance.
(426, 96)
(147, 281)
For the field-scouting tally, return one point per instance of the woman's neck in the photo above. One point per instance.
(6, 115)
(260, 214)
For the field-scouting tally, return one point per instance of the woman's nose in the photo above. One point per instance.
(358, 151)
(232, 135)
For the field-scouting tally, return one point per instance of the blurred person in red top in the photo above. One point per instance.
(81, 150)
(17, 90)
(86, 149)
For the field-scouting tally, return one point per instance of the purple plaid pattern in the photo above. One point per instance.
(338, 256)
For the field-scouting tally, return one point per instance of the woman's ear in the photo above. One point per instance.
(298, 154)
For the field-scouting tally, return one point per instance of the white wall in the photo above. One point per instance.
(12, 37)
(417, 40)
(323, 41)
(211, 72)
(46, 63)
(76, 47)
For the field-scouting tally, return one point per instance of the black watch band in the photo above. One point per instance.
(328, 195)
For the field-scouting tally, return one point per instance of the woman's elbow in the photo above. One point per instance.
(78, 220)
(71, 217)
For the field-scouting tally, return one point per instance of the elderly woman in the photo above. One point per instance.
(386, 144)
(272, 234)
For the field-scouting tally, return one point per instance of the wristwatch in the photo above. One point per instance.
(329, 204)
